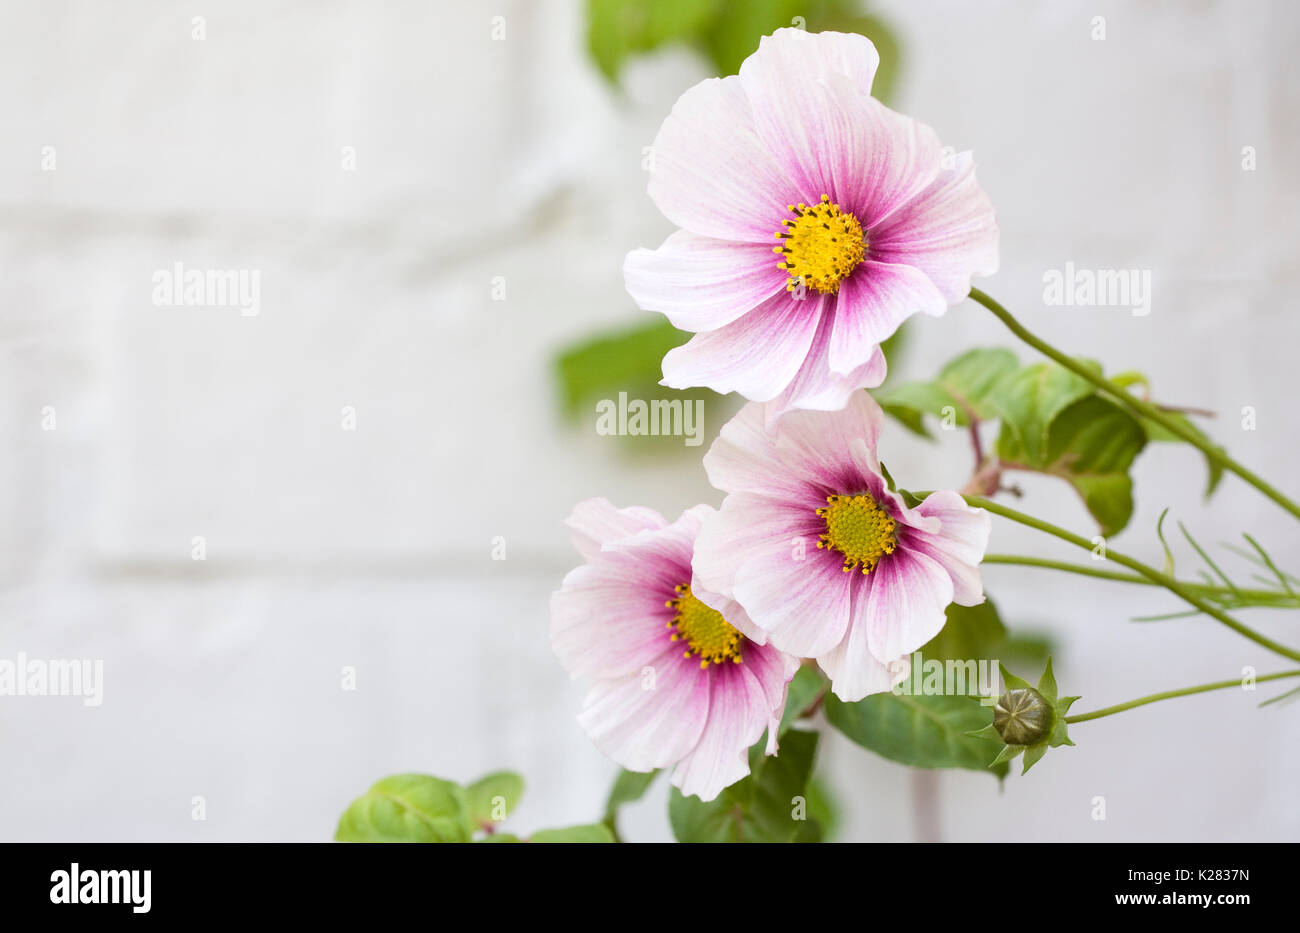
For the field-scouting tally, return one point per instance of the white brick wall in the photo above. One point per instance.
(371, 548)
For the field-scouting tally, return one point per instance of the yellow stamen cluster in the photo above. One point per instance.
(706, 633)
(823, 244)
(859, 529)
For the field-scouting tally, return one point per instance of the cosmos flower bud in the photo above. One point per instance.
(1023, 716)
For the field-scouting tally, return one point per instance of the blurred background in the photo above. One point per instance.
(437, 197)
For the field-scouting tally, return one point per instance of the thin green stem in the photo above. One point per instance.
(1170, 694)
(1263, 597)
(1137, 406)
(1155, 576)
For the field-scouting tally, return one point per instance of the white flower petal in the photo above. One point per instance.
(701, 284)
(710, 172)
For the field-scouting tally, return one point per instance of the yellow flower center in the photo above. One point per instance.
(823, 244)
(858, 528)
(706, 633)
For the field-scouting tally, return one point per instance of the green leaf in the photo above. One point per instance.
(1091, 443)
(589, 833)
(973, 377)
(920, 731)
(1028, 401)
(629, 787)
(964, 387)
(893, 347)
(624, 359)
(500, 837)
(823, 809)
(614, 30)
(909, 402)
(911, 418)
(969, 632)
(493, 797)
(759, 808)
(736, 32)
(407, 808)
(617, 29)
(807, 686)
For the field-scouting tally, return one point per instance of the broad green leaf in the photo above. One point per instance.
(920, 731)
(823, 808)
(962, 388)
(977, 632)
(677, 20)
(500, 837)
(493, 797)
(973, 377)
(736, 32)
(807, 686)
(626, 359)
(969, 632)
(759, 808)
(617, 29)
(911, 400)
(726, 31)
(1028, 401)
(591, 832)
(911, 418)
(407, 808)
(894, 347)
(1091, 443)
(629, 787)
(614, 30)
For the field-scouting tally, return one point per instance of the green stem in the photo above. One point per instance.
(1155, 576)
(1268, 597)
(1170, 694)
(1137, 406)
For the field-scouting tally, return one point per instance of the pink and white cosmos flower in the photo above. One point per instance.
(678, 681)
(874, 223)
(822, 556)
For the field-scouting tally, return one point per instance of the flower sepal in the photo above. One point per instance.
(1028, 719)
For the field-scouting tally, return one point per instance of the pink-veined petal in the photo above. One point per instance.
(598, 521)
(700, 283)
(816, 387)
(958, 545)
(872, 302)
(756, 355)
(949, 231)
(905, 604)
(738, 714)
(789, 83)
(750, 526)
(711, 174)
(854, 671)
(606, 622)
(650, 720)
(803, 604)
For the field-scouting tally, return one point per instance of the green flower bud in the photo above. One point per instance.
(1023, 716)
